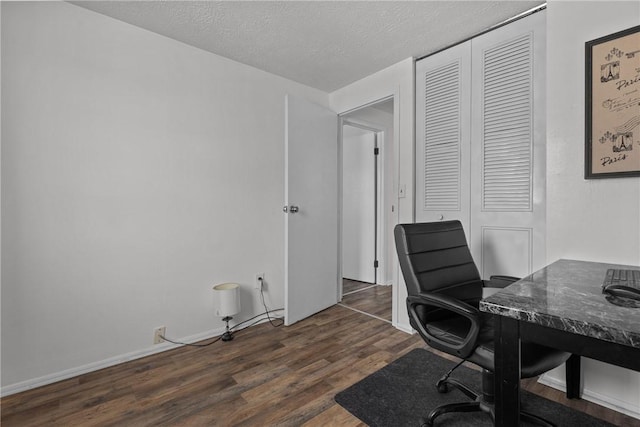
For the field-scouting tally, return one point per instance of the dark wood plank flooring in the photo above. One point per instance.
(349, 286)
(369, 298)
(266, 376)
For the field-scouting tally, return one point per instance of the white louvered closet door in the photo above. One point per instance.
(507, 230)
(443, 102)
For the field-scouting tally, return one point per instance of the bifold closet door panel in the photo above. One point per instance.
(508, 148)
(443, 102)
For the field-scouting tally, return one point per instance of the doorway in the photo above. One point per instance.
(360, 198)
(366, 136)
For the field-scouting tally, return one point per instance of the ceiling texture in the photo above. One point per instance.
(323, 44)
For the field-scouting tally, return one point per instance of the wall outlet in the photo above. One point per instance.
(259, 281)
(158, 333)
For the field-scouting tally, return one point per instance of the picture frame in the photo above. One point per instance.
(612, 101)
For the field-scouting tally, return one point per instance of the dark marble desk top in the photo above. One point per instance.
(567, 295)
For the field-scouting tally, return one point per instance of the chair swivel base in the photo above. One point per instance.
(480, 403)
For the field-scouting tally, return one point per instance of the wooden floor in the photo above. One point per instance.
(284, 376)
(350, 286)
(371, 299)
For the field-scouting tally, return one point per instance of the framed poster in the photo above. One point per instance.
(612, 122)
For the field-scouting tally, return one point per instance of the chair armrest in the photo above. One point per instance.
(462, 350)
(499, 281)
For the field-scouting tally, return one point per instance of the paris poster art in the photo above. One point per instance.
(613, 105)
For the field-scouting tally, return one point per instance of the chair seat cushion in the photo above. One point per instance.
(535, 359)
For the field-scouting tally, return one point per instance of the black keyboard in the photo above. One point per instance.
(622, 283)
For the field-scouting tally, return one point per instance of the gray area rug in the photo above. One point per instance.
(403, 392)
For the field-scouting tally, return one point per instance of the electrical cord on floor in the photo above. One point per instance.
(190, 345)
(267, 312)
(232, 329)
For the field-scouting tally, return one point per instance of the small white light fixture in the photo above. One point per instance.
(227, 304)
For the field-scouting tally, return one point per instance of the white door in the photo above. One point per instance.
(359, 204)
(443, 102)
(508, 149)
(311, 202)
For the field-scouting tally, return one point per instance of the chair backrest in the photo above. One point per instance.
(434, 257)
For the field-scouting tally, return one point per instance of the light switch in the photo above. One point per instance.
(402, 191)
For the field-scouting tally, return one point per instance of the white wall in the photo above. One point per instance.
(137, 172)
(396, 81)
(596, 220)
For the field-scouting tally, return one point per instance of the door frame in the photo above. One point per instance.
(384, 217)
(379, 138)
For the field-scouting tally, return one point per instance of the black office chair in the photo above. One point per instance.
(444, 289)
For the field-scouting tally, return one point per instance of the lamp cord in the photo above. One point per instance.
(232, 329)
(267, 312)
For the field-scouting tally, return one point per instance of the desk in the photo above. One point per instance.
(561, 306)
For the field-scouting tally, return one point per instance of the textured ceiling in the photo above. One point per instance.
(322, 44)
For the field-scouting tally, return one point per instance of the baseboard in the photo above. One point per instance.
(594, 397)
(404, 328)
(106, 363)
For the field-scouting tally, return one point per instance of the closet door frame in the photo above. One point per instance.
(503, 240)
